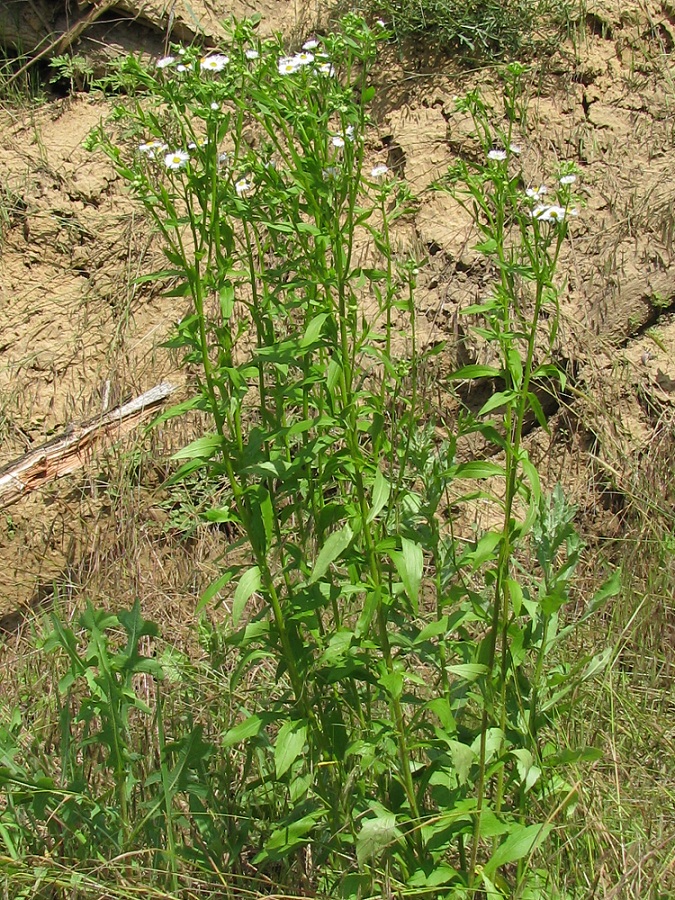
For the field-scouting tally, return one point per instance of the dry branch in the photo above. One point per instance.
(76, 446)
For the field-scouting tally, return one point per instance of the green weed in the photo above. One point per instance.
(378, 714)
(479, 29)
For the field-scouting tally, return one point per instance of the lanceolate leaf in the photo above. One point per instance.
(290, 741)
(409, 564)
(469, 372)
(248, 585)
(376, 835)
(334, 547)
(381, 491)
(521, 842)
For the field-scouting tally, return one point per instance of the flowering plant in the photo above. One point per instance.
(400, 740)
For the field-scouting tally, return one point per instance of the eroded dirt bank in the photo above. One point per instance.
(76, 334)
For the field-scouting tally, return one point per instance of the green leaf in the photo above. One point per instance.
(244, 731)
(249, 583)
(433, 629)
(463, 757)
(214, 588)
(392, 682)
(597, 663)
(468, 671)
(288, 836)
(533, 400)
(313, 330)
(289, 745)
(467, 373)
(479, 469)
(484, 549)
(409, 564)
(487, 247)
(203, 448)
(500, 398)
(334, 547)
(376, 835)
(522, 841)
(515, 367)
(381, 492)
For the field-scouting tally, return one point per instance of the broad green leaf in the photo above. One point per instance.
(289, 744)
(392, 682)
(214, 588)
(515, 593)
(313, 330)
(494, 739)
(522, 841)
(463, 757)
(487, 247)
(226, 297)
(245, 730)
(528, 772)
(376, 835)
(203, 448)
(409, 564)
(288, 837)
(381, 492)
(597, 663)
(500, 398)
(249, 583)
(221, 515)
(433, 629)
(469, 372)
(468, 671)
(334, 547)
(478, 469)
(515, 367)
(484, 549)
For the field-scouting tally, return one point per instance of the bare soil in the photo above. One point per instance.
(76, 334)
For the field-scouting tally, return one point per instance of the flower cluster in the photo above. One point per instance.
(551, 212)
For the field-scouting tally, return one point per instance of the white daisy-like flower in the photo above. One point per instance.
(310, 45)
(304, 59)
(177, 159)
(515, 149)
(215, 106)
(251, 53)
(181, 51)
(214, 63)
(337, 141)
(242, 187)
(536, 193)
(152, 148)
(223, 159)
(330, 172)
(568, 179)
(379, 171)
(181, 68)
(164, 62)
(549, 213)
(288, 65)
(326, 69)
(497, 155)
(349, 132)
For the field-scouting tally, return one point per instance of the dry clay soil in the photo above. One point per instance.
(75, 331)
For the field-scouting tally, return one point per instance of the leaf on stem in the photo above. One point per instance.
(334, 547)
(289, 745)
(249, 583)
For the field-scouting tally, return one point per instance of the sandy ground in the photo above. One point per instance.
(75, 331)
